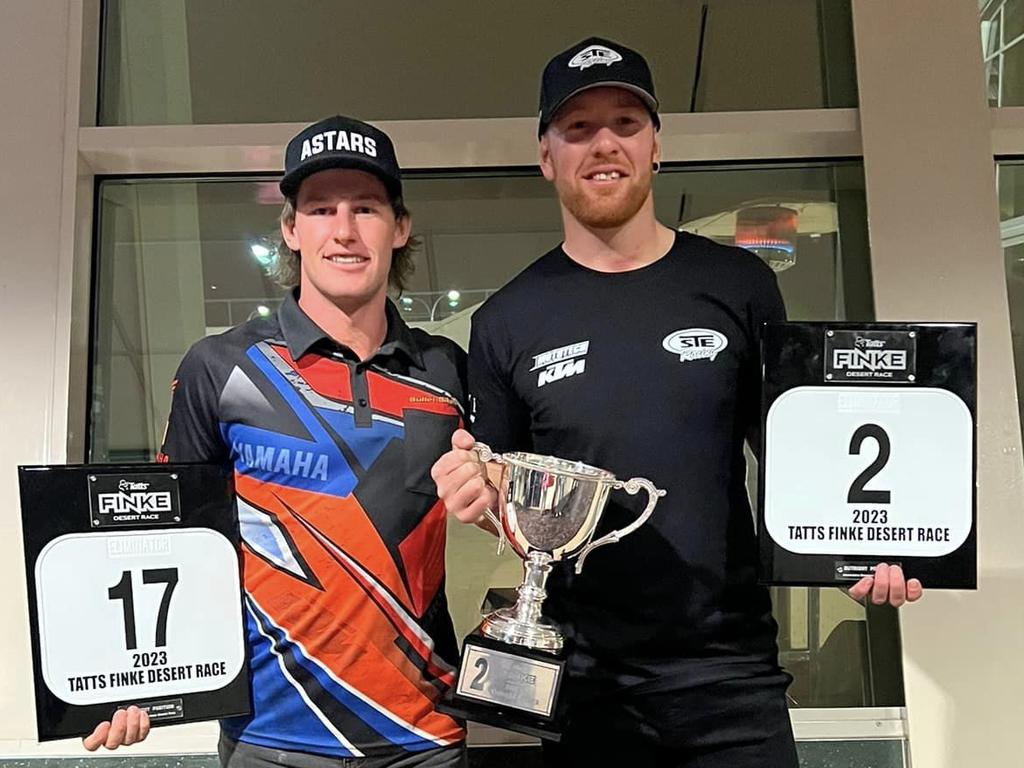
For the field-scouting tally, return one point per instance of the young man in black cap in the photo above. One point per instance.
(674, 657)
(331, 412)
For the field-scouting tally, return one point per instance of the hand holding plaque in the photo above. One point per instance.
(549, 510)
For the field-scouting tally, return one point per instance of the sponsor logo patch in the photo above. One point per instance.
(594, 54)
(138, 498)
(870, 356)
(695, 344)
(561, 363)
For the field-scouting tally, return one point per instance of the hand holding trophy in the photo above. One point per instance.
(548, 510)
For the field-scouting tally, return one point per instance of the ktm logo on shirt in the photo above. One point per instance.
(561, 371)
(561, 363)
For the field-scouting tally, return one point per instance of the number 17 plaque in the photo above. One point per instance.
(868, 452)
(134, 594)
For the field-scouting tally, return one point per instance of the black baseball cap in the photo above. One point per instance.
(592, 63)
(340, 142)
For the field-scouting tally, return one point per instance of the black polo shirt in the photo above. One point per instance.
(649, 373)
(343, 536)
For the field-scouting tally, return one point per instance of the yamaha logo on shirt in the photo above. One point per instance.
(561, 363)
(695, 344)
(594, 54)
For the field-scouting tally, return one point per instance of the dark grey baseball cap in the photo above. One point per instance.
(593, 63)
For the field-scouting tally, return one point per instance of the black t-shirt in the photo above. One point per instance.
(648, 373)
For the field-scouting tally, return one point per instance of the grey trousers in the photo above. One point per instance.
(238, 754)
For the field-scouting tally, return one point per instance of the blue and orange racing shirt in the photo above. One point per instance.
(343, 536)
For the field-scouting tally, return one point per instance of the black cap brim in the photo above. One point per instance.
(649, 101)
(290, 182)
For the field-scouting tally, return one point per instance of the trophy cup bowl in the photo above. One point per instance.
(549, 512)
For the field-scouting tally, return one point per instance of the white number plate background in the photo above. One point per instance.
(504, 678)
(82, 630)
(809, 471)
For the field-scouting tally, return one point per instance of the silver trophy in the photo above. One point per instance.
(550, 511)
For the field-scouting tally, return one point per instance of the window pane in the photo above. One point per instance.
(1012, 20)
(1002, 41)
(1011, 225)
(252, 61)
(883, 753)
(180, 259)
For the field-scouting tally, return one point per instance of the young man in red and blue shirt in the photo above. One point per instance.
(331, 412)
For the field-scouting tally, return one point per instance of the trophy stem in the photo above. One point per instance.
(531, 591)
(523, 624)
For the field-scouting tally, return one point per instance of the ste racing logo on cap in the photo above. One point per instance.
(594, 54)
(695, 344)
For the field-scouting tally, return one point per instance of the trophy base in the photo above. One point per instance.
(508, 686)
(503, 626)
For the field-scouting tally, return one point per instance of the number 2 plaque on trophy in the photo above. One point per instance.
(134, 594)
(869, 453)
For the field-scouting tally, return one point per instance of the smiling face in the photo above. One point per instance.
(599, 151)
(345, 231)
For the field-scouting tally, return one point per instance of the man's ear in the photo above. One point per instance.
(403, 228)
(544, 158)
(288, 234)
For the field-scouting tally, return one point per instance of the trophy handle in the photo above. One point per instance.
(498, 527)
(632, 487)
(485, 454)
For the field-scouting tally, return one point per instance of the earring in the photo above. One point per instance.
(657, 166)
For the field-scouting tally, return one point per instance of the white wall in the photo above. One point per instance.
(33, 57)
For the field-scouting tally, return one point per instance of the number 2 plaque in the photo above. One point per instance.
(869, 454)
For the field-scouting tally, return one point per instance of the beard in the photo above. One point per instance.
(605, 211)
